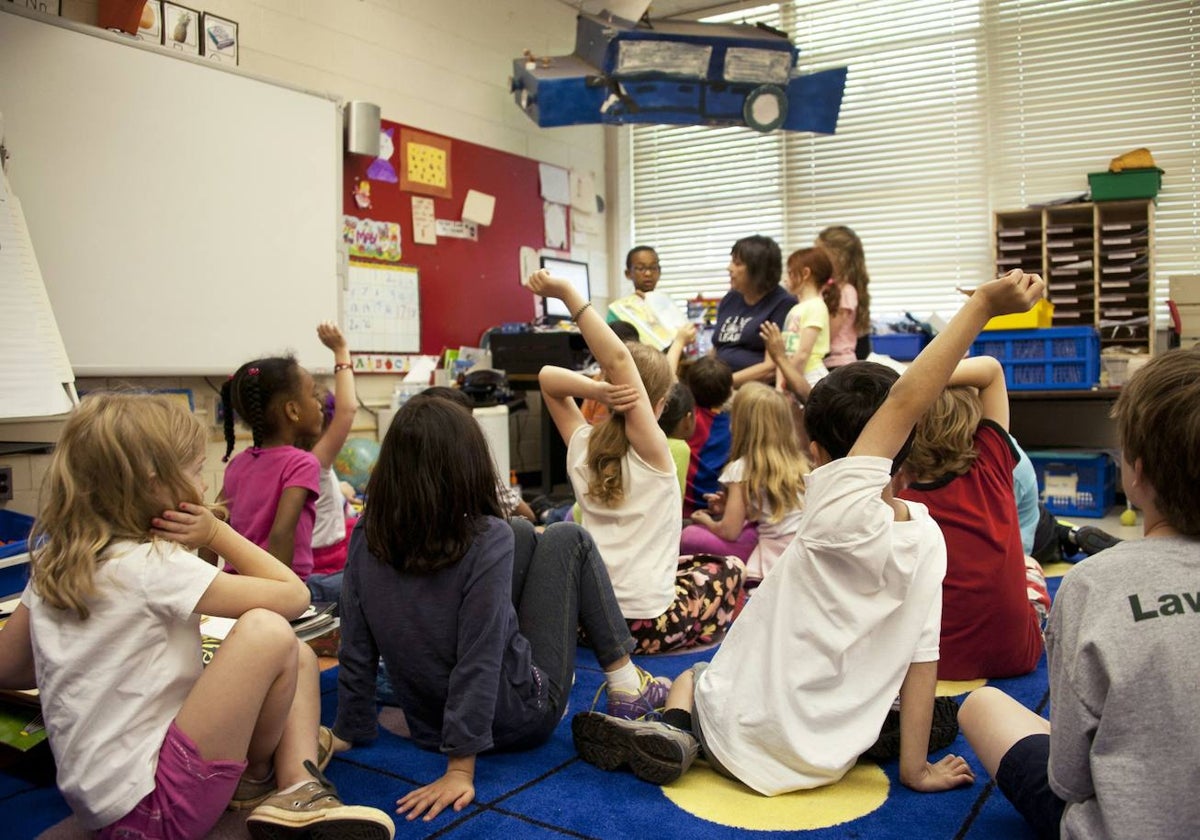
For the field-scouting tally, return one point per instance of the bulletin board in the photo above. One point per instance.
(465, 285)
(382, 307)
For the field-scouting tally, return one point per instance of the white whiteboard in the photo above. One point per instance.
(383, 309)
(186, 217)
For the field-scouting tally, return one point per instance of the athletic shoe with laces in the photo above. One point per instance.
(646, 702)
(315, 812)
(251, 793)
(655, 751)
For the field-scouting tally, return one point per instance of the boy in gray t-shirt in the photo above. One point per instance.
(1117, 757)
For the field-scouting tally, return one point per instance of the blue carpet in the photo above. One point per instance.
(550, 793)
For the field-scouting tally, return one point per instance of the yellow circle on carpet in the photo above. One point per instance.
(1056, 569)
(953, 688)
(704, 794)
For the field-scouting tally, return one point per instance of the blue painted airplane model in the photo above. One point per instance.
(677, 72)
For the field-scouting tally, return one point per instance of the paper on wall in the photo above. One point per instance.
(424, 223)
(529, 262)
(556, 183)
(457, 230)
(479, 207)
(556, 225)
(583, 191)
(585, 223)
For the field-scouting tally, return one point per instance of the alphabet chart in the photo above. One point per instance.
(382, 308)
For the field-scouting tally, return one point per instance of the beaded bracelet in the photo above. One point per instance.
(582, 309)
(340, 366)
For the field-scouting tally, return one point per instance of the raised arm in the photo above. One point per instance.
(641, 426)
(795, 380)
(920, 385)
(345, 399)
(987, 374)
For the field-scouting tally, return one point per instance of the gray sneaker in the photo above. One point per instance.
(654, 751)
(314, 812)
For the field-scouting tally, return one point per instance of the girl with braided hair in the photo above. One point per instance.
(271, 488)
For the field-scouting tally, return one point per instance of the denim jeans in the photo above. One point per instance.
(559, 584)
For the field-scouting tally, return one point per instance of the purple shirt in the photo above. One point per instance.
(254, 482)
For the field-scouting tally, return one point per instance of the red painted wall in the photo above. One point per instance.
(466, 286)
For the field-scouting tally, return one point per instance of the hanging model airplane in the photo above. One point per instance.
(677, 72)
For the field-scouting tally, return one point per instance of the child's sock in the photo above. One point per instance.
(626, 679)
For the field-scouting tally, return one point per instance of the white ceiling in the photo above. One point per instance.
(662, 9)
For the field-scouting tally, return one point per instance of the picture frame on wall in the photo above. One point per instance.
(150, 25)
(181, 28)
(219, 38)
(49, 7)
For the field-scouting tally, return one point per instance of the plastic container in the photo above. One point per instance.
(1051, 359)
(1041, 315)
(1075, 483)
(14, 559)
(903, 347)
(1132, 183)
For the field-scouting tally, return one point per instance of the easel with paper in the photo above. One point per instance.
(35, 376)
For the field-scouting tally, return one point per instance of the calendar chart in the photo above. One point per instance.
(382, 309)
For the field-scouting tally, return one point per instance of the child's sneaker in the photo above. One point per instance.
(646, 702)
(314, 811)
(251, 793)
(654, 751)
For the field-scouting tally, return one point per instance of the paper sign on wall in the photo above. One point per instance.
(556, 183)
(583, 191)
(457, 230)
(424, 223)
(478, 207)
(556, 225)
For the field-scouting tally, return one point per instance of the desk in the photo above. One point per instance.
(1058, 419)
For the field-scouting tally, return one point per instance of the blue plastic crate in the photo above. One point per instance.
(903, 347)
(1075, 483)
(1047, 359)
(14, 572)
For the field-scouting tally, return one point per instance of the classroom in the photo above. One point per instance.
(190, 186)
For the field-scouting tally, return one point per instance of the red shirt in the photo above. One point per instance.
(989, 627)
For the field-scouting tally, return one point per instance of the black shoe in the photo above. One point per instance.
(942, 731)
(1091, 540)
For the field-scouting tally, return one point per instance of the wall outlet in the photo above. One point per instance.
(6, 490)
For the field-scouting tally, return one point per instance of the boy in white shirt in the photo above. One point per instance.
(849, 617)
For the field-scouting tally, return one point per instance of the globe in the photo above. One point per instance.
(355, 462)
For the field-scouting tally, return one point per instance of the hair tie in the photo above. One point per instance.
(252, 372)
(830, 282)
(229, 377)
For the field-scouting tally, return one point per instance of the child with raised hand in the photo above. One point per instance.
(849, 617)
(994, 598)
(793, 378)
(806, 328)
(625, 482)
(113, 611)
(330, 537)
(1117, 757)
(476, 618)
(271, 489)
(763, 483)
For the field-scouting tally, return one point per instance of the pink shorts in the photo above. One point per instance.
(189, 795)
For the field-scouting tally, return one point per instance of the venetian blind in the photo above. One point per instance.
(952, 108)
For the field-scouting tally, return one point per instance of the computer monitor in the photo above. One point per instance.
(576, 273)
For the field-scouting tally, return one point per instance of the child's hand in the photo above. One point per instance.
(191, 525)
(618, 398)
(773, 338)
(454, 789)
(716, 504)
(951, 772)
(1010, 293)
(686, 334)
(541, 283)
(331, 336)
(702, 517)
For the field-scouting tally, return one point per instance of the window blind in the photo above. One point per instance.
(952, 108)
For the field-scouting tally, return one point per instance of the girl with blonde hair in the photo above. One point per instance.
(763, 482)
(625, 481)
(112, 612)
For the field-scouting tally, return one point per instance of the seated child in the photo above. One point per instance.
(961, 468)
(678, 421)
(1117, 757)
(711, 384)
(804, 680)
(763, 484)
